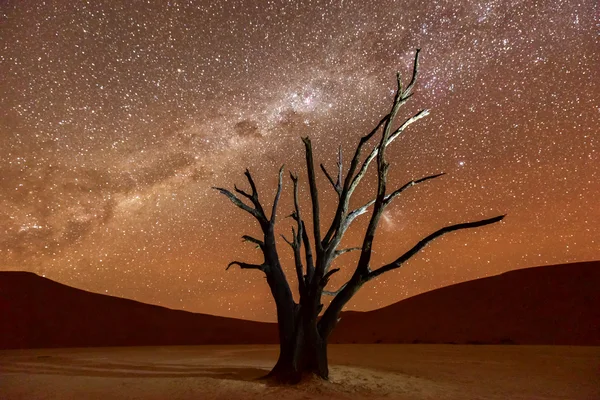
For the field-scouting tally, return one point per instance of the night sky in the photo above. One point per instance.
(117, 118)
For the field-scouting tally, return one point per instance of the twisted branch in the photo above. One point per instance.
(243, 265)
(403, 258)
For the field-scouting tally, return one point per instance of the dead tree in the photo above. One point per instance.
(302, 334)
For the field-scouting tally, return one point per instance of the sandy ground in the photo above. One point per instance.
(357, 372)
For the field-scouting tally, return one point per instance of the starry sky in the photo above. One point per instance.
(117, 117)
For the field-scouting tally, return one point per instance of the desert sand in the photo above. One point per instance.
(357, 372)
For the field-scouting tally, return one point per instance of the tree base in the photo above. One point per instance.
(294, 377)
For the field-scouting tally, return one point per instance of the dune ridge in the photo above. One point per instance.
(558, 304)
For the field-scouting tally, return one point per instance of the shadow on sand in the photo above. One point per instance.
(51, 365)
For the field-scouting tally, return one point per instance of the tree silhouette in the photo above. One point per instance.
(302, 334)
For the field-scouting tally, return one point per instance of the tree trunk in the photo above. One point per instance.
(303, 353)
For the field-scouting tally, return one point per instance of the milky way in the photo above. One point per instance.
(119, 116)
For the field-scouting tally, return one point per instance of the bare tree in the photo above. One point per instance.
(302, 334)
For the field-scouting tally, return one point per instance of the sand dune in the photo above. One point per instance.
(414, 372)
(558, 304)
(44, 313)
(545, 305)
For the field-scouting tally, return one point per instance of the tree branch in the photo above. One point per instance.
(277, 196)
(326, 277)
(297, 239)
(251, 182)
(331, 314)
(334, 293)
(411, 85)
(357, 212)
(310, 264)
(361, 210)
(396, 192)
(254, 195)
(365, 165)
(241, 204)
(290, 242)
(338, 253)
(335, 186)
(258, 212)
(348, 189)
(271, 266)
(243, 193)
(298, 261)
(259, 243)
(340, 168)
(341, 223)
(243, 265)
(411, 120)
(382, 169)
(398, 262)
(314, 194)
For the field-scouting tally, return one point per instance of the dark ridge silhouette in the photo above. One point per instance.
(557, 304)
(38, 312)
(553, 305)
